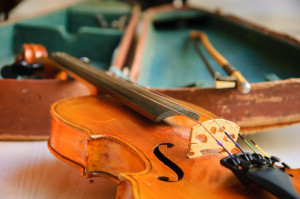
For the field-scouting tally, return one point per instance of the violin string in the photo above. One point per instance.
(167, 98)
(260, 149)
(185, 103)
(179, 113)
(193, 106)
(190, 105)
(247, 143)
(89, 69)
(212, 72)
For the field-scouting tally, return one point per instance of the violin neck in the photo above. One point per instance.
(145, 102)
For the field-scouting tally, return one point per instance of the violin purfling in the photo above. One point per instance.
(155, 146)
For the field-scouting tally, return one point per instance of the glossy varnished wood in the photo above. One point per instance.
(118, 143)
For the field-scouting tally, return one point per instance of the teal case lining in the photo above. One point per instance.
(73, 30)
(170, 61)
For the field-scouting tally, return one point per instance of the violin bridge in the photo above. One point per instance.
(201, 142)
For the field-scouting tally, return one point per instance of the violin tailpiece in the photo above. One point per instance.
(261, 170)
(201, 142)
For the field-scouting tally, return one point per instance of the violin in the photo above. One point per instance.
(154, 146)
(29, 63)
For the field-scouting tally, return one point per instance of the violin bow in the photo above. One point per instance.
(235, 78)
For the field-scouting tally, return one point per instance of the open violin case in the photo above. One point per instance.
(163, 59)
(166, 59)
(76, 29)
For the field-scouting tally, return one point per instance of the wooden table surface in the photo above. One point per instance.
(29, 170)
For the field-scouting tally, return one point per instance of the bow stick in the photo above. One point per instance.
(221, 82)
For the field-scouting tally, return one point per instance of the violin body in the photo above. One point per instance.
(103, 138)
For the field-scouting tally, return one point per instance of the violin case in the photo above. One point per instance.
(163, 59)
(75, 29)
(166, 60)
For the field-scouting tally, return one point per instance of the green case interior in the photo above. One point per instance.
(74, 30)
(170, 60)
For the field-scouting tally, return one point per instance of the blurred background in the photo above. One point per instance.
(280, 15)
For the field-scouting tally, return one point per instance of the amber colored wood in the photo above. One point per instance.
(74, 150)
(37, 53)
(208, 46)
(32, 53)
(118, 143)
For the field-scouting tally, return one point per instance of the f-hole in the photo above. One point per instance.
(168, 163)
